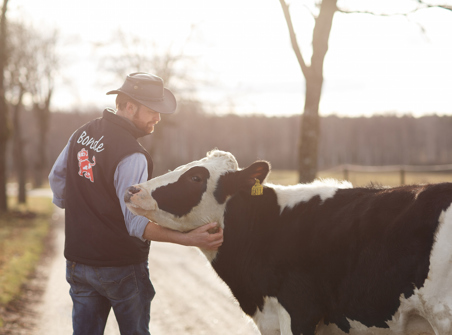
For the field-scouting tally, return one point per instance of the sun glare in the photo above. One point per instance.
(242, 50)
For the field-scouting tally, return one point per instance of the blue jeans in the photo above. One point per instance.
(95, 290)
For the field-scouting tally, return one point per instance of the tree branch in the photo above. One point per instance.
(422, 5)
(293, 38)
(426, 5)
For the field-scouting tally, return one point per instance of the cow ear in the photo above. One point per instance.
(258, 170)
(242, 180)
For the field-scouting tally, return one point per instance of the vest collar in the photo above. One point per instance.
(110, 115)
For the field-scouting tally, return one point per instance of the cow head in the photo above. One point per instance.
(194, 194)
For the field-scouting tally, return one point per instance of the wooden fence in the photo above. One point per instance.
(401, 169)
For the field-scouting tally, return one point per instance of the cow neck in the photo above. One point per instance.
(212, 254)
(110, 115)
(254, 208)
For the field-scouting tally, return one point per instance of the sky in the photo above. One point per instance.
(244, 62)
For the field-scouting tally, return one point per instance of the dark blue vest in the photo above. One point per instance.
(96, 233)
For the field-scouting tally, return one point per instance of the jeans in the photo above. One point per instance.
(95, 290)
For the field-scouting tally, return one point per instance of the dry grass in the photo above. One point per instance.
(22, 234)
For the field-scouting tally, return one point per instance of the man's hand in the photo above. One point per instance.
(209, 236)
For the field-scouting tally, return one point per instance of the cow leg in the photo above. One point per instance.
(417, 325)
(435, 299)
(301, 321)
(284, 321)
(267, 320)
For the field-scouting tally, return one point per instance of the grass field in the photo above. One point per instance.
(285, 177)
(22, 236)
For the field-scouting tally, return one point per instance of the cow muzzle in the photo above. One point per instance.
(132, 190)
(137, 199)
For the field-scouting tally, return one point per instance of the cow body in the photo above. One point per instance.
(321, 258)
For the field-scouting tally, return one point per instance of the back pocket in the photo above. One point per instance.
(119, 283)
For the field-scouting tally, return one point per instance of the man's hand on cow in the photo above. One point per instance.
(209, 236)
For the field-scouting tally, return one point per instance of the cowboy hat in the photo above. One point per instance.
(147, 89)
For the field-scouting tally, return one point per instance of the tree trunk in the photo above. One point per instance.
(5, 129)
(310, 131)
(18, 152)
(43, 117)
(310, 120)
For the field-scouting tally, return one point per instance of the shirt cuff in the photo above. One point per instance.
(59, 202)
(138, 226)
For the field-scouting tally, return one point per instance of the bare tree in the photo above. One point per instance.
(313, 74)
(5, 130)
(20, 66)
(129, 53)
(20, 165)
(47, 65)
(310, 123)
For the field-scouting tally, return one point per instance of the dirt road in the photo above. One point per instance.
(190, 298)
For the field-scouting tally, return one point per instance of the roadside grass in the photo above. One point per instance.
(22, 236)
(289, 177)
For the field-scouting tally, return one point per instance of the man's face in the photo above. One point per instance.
(145, 119)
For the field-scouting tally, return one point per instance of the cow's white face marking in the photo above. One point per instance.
(208, 210)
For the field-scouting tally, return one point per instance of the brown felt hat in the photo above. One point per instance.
(147, 89)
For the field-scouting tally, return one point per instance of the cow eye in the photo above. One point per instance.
(196, 179)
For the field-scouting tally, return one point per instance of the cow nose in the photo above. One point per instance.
(129, 192)
(133, 190)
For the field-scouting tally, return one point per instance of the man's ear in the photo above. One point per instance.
(131, 108)
(258, 170)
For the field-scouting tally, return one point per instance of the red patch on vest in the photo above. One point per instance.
(86, 167)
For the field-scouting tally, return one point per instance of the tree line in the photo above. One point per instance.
(29, 62)
(189, 134)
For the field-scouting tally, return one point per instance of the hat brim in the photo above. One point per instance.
(166, 106)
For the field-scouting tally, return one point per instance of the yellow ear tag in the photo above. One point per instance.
(257, 189)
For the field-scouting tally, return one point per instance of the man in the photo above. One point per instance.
(106, 246)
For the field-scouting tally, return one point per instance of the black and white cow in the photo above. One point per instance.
(320, 258)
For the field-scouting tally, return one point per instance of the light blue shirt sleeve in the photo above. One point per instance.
(130, 171)
(57, 177)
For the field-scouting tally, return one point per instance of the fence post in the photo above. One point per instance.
(402, 177)
(346, 174)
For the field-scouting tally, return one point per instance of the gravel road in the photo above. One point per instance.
(190, 298)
